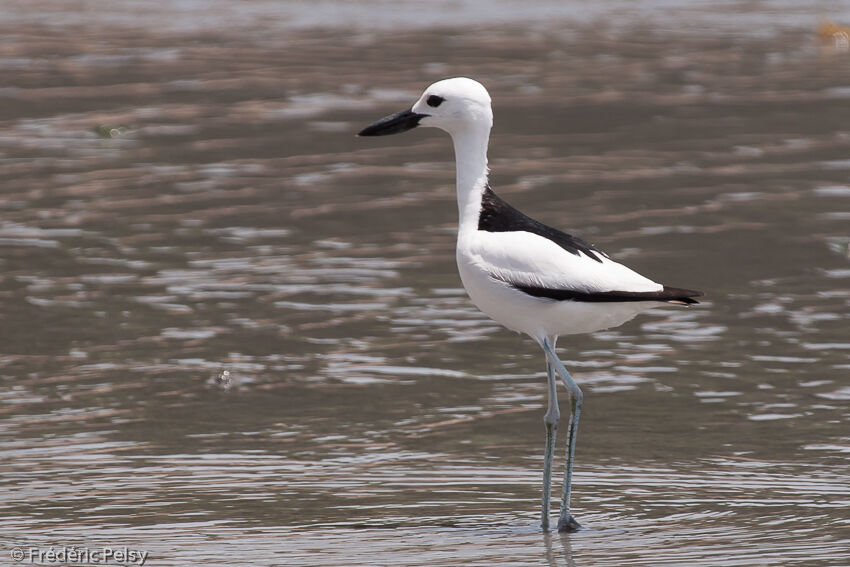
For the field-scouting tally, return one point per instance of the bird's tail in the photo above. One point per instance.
(679, 296)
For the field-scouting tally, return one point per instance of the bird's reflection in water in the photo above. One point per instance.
(565, 542)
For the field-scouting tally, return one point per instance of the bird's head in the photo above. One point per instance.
(453, 105)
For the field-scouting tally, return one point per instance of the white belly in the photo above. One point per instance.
(540, 317)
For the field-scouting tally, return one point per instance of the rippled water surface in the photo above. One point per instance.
(233, 333)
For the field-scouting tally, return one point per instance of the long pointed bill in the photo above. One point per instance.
(393, 124)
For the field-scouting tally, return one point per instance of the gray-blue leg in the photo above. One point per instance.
(551, 419)
(566, 522)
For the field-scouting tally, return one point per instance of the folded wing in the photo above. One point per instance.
(539, 267)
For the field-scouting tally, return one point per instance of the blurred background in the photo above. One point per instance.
(234, 332)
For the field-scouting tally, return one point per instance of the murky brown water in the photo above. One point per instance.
(233, 333)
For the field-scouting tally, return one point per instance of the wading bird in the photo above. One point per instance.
(529, 277)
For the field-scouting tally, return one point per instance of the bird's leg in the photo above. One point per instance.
(566, 522)
(553, 415)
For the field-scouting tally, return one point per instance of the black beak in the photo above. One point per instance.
(393, 124)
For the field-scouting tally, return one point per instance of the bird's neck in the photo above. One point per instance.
(471, 162)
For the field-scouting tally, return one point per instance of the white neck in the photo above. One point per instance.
(471, 163)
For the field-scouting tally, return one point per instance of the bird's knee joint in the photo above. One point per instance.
(577, 398)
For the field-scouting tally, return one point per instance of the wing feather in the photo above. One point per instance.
(524, 259)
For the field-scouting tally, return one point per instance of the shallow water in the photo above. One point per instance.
(234, 333)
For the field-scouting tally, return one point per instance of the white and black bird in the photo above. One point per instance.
(529, 277)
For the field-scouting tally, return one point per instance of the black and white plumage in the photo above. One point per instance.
(498, 216)
(529, 277)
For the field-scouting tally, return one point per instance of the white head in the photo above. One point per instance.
(454, 105)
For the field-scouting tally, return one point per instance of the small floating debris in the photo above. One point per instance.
(110, 130)
(224, 379)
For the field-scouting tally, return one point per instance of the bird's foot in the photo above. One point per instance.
(568, 525)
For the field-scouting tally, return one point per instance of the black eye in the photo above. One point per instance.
(435, 100)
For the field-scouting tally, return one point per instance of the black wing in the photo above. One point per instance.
(498, 216)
